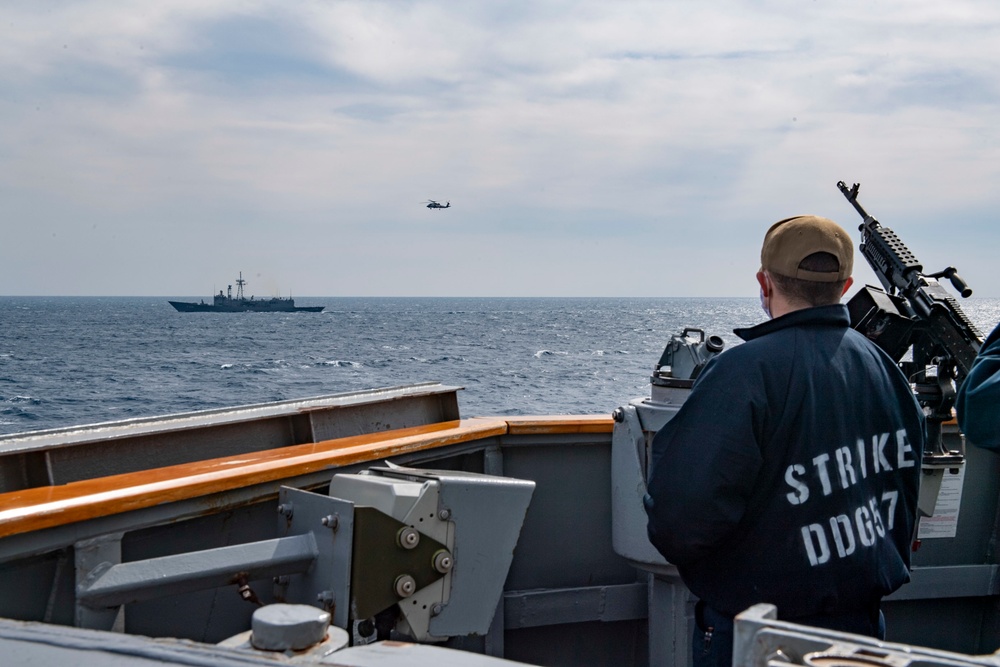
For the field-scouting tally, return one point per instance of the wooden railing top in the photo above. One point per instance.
(45, 507)
(547, 424)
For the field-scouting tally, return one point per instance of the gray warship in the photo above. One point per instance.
(227, 303)
(383, 528)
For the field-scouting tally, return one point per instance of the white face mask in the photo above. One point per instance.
(763, 304)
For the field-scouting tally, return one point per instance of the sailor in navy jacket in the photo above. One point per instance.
(978, 402)
(790, 474)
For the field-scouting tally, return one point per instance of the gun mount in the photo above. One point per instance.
(915, 313)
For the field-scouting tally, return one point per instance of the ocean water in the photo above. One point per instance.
(67, 361)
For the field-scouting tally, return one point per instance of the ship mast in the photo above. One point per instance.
(239, 286)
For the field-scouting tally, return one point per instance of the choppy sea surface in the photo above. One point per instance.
(68, 361)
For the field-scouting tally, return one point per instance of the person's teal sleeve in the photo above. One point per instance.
(978, 402)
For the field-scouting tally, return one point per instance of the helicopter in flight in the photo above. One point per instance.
(433, 204)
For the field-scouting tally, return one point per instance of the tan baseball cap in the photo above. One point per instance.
(791, 240)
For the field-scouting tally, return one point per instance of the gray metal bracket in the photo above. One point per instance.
(312, 559)
(109, 586)
(93, 558)
(488, 512)
(327, 583)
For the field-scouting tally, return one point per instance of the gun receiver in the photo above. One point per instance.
(915, 312)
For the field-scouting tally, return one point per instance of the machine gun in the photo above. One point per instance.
(915, 313)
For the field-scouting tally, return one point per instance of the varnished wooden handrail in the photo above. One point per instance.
(45, 507)
(549, 424)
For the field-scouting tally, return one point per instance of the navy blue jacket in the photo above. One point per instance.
(790, 474)
(978, 402)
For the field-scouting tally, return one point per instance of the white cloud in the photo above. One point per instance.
(656, 130)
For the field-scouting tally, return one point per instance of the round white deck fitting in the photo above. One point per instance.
(284, 627)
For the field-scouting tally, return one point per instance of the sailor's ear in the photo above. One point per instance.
(847, 285)
(765, 283)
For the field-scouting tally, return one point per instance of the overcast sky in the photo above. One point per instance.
(587, 148)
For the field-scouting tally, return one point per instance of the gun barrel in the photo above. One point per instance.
(852, 196)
